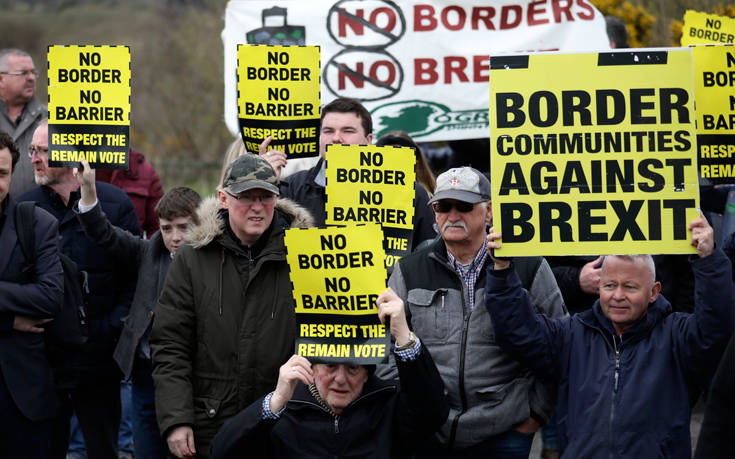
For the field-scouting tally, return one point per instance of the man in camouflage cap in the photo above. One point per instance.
(225, 321)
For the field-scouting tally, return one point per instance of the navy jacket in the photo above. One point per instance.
(629, 397)
(23, 363)
(111, 281)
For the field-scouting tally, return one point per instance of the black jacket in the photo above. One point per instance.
(23, 363)
(150, 258)
(385, 421)
(715, 438)
(111, 282)
(300, 187)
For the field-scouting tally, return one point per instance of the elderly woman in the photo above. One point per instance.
(343, 410)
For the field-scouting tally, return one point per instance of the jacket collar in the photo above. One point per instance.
(302, 398)
(656, 312)
(212, 221)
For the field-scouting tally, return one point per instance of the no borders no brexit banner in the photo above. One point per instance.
(89, 106)
(337, 274)
(278, 96)
(598, 160)
(418, 66)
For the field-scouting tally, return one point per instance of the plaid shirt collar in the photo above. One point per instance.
(470, 272)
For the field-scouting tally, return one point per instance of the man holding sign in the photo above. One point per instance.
(496, 404)
(88, 381)
(629, 371)
(343, 410)
(225, 321)
(343, 121)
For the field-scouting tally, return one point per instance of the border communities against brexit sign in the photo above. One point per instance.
(337, 274)
(278, 96)
(366, 183)
(89, 106)
(598, 160)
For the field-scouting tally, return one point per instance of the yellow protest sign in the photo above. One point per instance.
(89, 106)
(337, 274)
(703, 28)
(714, 91)
(366, 183)
(599, 160)
(278, 89)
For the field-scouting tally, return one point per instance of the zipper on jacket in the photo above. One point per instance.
(616, 348)
(336, 425)
(462, 353)
(221, 269)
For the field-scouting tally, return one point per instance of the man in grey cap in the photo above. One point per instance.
(496, 404)
(225, 321)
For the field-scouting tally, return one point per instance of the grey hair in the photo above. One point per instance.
(4, 53)
(647, 261)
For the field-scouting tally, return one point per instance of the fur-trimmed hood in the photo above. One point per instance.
(212, 225)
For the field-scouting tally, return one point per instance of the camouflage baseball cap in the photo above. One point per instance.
(250, 171)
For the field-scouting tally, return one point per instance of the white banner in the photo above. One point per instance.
(421, 67)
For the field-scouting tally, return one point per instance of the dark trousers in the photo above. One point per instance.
(21, 438)
(146, 437)
(507, 445)
(98, 410)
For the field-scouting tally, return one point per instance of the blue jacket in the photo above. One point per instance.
(23, 363)
(111, 281)
(628, 397)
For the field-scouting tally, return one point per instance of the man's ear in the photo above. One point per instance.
(655, 290)
(370, 138)
(222, 198)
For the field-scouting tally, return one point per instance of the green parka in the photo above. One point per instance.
(225, 323)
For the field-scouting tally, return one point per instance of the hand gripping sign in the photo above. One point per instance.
(337, 274)
(89, 106)
(278, 96)
(598, 160)
(714, 91)
(366, 183)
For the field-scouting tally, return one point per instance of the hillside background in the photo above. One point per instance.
(177, 61)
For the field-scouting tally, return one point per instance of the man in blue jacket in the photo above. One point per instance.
(31, 292)
(629, 369)
(88, 381)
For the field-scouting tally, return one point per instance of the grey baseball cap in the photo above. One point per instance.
(250, 171)
(462, 184)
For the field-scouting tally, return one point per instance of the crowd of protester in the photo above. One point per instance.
(190, 300)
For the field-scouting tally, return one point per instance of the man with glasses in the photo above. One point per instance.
(88, 381)
(20, 111)
(496, 404)
(225, 321)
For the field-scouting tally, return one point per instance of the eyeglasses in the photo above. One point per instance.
(23, 73)
(249, 199)
(444, 207)
(38, 151)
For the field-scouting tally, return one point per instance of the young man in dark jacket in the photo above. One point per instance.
(176, 213)
(343, 121)
(342, 410)
(629, 369)
(89, 380)
(29, 298)
(225, 321)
